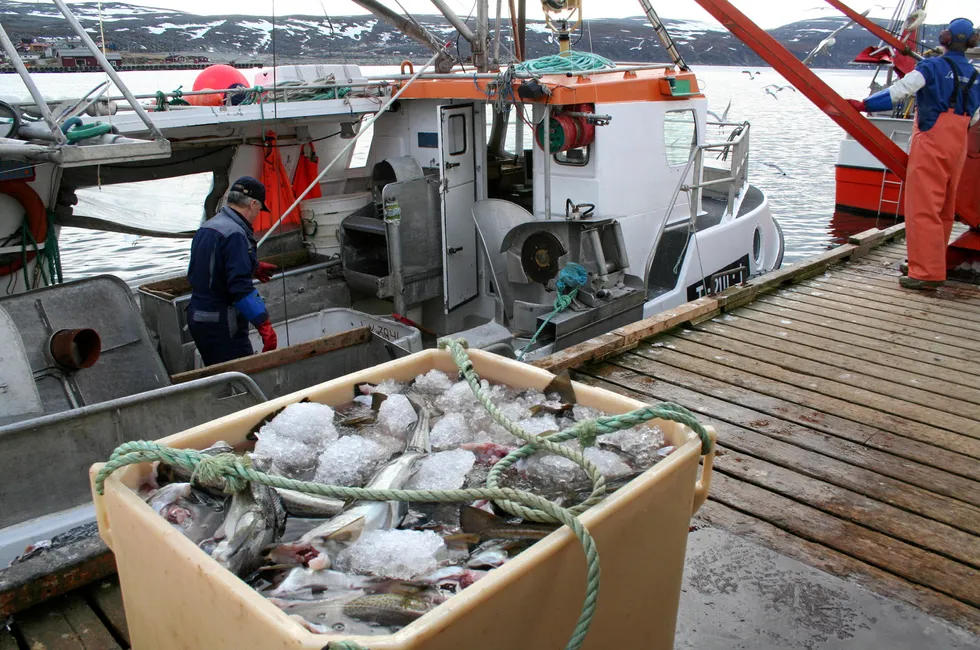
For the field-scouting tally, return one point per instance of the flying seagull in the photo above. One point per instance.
(751, 75)
(824, 46)
(724, 116)
(780, 89)
(770, 92)
(776, 167)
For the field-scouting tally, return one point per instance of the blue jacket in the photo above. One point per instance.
(936, 89)
(223, 261)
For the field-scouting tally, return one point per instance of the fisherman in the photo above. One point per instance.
(223, 263)
(947, 95)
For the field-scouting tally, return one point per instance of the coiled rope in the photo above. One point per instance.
(234, 473)
(568, 62)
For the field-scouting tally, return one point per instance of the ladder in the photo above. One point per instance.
(885, 183)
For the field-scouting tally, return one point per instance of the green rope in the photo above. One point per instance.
(234, 473)
(560, 64)
(573, 276)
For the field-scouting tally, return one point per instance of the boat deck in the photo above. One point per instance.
(848, 418)
(91, 618)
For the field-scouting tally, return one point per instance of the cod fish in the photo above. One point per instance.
(255, 520)
(195, 513)
(490, 526)
(312, 548)
(562, 384)
(389, 610)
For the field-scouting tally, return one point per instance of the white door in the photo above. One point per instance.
(457, 155)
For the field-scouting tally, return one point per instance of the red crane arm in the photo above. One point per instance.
(810, 85)
(871, 26)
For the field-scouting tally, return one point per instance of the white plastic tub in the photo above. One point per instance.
(327, 213)
(178, 597)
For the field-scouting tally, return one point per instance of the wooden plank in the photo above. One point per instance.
(46, 628)
(917, 317)
(776, 411)
(950, 292)
(595, 348)
(282, 356)
(947, 410)
(106, 598)
(872, 473)
(840, 355)
(666, 320)
(875, 296)
(836, 563)
(822, 403)
(912, 322)
(904, 560)
(887, 288)
(746, 364)
(944, 365)
(86, 624)
(877, 236)
(56, 572)
(789, 274)
(925, 533)
(871, 327)
(624, 338)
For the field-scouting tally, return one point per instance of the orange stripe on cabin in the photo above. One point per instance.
(605, 87)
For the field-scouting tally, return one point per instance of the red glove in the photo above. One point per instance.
(269, 340)
(858, 105)
(264, 272)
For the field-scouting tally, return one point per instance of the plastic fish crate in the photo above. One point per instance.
(176, 596)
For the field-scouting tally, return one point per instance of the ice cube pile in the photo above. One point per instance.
(373, 567)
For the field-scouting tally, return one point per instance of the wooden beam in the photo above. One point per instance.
(280, 357)
(179, 285)
(53, 573)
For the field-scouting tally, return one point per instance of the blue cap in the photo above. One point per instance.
(961, 29)
(252, 188)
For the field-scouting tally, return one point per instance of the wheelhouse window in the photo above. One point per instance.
(577, 157)
(457, 135)
(680, 136)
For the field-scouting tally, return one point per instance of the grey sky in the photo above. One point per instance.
(768, 13)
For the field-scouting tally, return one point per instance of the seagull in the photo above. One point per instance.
(638, 47)
(824, 46)
(776, 167)
(915, 20)
(751, 75)
(724, 116)
(780, 89)
(770, 92)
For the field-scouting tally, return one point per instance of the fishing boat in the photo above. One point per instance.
(863, 185)
(625, 201)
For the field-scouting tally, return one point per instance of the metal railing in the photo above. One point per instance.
(735, 149)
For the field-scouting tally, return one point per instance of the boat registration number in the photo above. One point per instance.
(733, 274)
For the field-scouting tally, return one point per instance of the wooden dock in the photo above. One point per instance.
(848, 418)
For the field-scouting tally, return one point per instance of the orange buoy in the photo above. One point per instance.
(213, 99)
(216, 77)
(278, 190)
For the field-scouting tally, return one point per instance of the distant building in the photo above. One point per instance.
(82, 57)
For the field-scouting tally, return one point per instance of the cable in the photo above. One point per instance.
(275, 121)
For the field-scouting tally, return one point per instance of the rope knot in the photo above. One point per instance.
(220, 472)
(588, 431)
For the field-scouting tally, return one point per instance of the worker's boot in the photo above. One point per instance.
(923, 285)
(903, 268)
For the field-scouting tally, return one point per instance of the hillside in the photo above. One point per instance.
(366, 39)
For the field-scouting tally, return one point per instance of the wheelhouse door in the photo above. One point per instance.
(458, 176)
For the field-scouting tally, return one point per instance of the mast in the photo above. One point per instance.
(663, 35)
(410, 28)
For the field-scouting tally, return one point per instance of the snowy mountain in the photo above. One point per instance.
(366, 39)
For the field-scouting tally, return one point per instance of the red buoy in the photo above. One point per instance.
(216, 77)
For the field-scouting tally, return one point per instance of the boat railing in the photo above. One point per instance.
(735, 151)
(94, 147)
